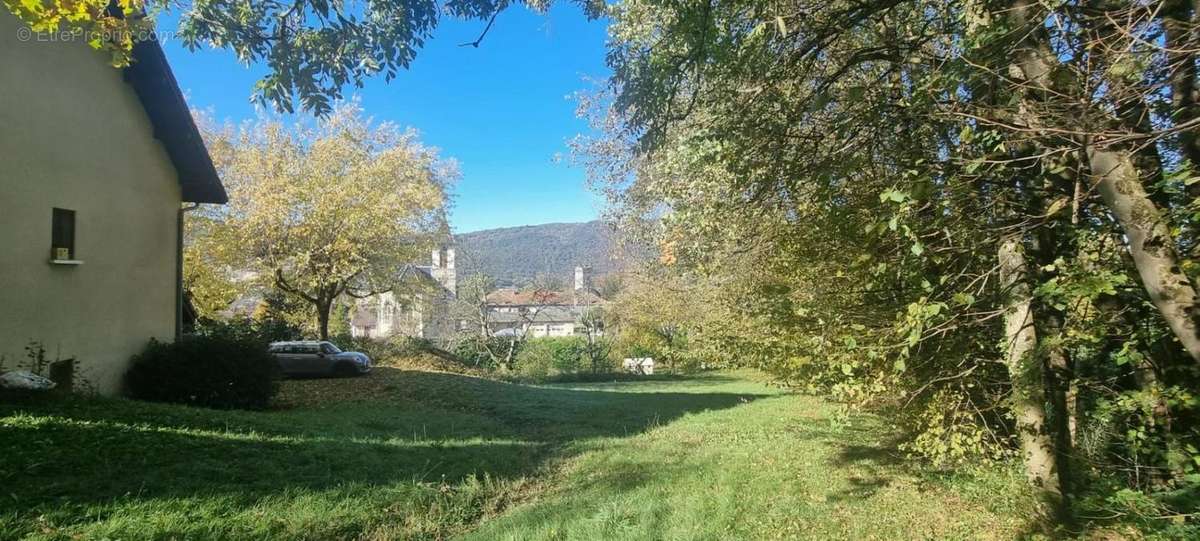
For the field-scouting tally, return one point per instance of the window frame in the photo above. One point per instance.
(62, 233)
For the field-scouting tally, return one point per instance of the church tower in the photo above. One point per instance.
(443, 267)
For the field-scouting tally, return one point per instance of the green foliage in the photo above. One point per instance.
(339, 319)
(351, 202)
(263, 331)
(830, 195)
(383, 350)
(477, 350)
(217, 370)
(669, 318)
(635, 349)
(536, 361)
(1155, 513)
(206, 280)
(948, 434)
(541, 358)
(93, 21)
(568, 353)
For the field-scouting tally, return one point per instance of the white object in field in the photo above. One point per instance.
(25, 380)
(639, 365)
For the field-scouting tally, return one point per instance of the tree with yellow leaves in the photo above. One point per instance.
(325, 211)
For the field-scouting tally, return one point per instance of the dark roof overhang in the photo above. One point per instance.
(159, 93)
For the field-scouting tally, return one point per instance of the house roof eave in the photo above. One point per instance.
(156, 88)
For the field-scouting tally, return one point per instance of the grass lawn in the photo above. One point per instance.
(409, 454)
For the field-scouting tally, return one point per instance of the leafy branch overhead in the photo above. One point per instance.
(312, 49)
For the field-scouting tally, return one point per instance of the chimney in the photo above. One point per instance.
(582, 278)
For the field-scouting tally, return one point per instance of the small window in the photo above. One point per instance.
(62, 235)
(389, 312)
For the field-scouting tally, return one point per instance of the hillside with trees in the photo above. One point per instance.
(517, 255)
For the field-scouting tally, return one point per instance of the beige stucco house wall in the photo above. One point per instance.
(74, 135)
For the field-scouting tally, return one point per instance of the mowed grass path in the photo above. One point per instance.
(406, 454)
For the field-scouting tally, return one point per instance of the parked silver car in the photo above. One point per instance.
(312, 358)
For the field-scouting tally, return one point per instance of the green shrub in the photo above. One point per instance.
(214, 371)
(535, 361)
(379, 350)
(541, 358)
(639, 350)
(567, 353)
(263, 331)
(473, 350)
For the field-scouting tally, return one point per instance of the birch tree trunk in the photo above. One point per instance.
(1119, 183)
(1150, 244)
(1028, 391)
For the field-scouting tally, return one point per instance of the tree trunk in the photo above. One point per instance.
(1073, 411)
(1178, 19)
(1055, 361)
(1050, 321)
(1120, 186)
(323, 308)
(1150, 244)
(1057, 369)
(510, 356)
(1028, 395)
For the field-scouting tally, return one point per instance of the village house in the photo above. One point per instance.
(420, 306)
(96, 163)
(537, 313)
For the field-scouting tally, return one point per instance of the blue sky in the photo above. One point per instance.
(504, 110)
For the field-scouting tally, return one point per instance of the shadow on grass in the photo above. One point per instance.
(611, 503)
(875, 456)
(876, 466)
(542, 413)
(65, 461)
(694, 380)
(392, 426)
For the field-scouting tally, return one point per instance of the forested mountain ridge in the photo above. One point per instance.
(516, 255)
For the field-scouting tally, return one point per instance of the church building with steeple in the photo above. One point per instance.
(418, 304)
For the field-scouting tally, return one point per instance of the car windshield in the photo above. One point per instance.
(329, 348)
